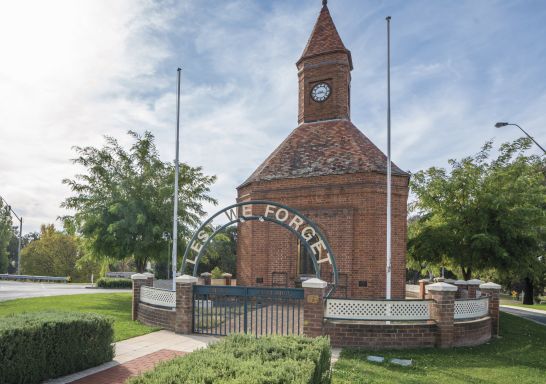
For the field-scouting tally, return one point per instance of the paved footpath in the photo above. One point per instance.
(10, 290)
(536, 315)
(137, 355)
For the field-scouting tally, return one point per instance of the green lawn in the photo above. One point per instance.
(541, 307)
(116, 305)
(517, 357)
(506, 301)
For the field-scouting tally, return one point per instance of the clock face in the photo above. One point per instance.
(320, 92)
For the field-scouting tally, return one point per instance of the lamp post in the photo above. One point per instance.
(504, 124)
(20, 234)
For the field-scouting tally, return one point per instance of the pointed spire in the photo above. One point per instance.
(324, 38)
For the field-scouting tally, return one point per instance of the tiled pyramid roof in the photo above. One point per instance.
(322, 148)
(324, 38)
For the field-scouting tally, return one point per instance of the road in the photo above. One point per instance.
(10, 290)
(539, 318)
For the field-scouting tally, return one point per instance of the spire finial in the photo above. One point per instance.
(324, 3)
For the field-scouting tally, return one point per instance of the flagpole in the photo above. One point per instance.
(388, 291)
(175, 197)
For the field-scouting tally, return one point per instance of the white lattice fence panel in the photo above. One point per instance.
(157, 296)
(409, 310)
(469, 309)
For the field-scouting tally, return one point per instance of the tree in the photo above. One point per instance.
(123, 204)
(13, 246)
(484, 214)
(514, 204)
(5, 235)
(54, 253)
(221, 252)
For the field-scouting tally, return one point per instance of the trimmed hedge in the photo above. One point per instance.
(244, 359)
(44, 345)
(114, 282)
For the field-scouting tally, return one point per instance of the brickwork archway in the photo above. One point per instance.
(264, 211)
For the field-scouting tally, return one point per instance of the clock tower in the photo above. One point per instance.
(330, 171)
(324, 73)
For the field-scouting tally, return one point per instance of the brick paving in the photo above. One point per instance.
(120, 373)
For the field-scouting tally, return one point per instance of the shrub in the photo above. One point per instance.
(244, 359)
(43, 345)
(216, 273)
(111, 283)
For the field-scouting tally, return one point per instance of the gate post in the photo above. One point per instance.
(443, 310)
(139, 280)
(314, 292)
(473, 286)
(184, 304)
(492, 290)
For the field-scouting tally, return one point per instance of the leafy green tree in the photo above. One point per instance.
(54, 253)
(14, 244)
(123, 203)
(5, 235)
(221, 252)
(483, 214)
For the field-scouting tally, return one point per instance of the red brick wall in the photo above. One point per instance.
(156, 317)
(351, 211)
(472, 332)
(332, 69)
(360, 334)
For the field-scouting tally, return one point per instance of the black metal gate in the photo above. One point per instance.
(221, 310)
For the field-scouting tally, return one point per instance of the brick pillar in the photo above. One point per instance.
(227, 278)
(443, 308)
(184, 304)
(206, 277)
(462, 292)
(139, 280)
(313, 307)
(492, 290)
(473, 287)
(422, 291)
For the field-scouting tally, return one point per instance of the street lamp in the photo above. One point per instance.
(504, 124)
(20, 234)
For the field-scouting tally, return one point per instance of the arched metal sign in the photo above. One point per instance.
(304, 228)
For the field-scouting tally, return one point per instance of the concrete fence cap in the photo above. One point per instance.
(206, 274)
(441, 287)
(490, 285)
(474, 282)
(148, 274)
(424, 281)
(314, 283)
(186, 279)
(139, 276)
(449, 281)
(460, 282)
(227, 274)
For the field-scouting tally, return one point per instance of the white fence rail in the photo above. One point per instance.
(157, 296)
(471, 308)
(405, 310)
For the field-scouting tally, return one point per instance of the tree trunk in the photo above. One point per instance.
(467, 273)
(528, 292)
(140, 265)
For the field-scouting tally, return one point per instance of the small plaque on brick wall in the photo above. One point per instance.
(313, 299)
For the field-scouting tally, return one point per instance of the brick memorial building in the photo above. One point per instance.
(330, 171)
(332, 180)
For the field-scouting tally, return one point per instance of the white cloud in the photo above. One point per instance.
(66, 70)
(72, 71)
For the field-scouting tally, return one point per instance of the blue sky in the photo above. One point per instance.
(72, 71)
